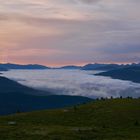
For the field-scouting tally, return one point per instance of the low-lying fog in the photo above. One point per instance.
(74, 82)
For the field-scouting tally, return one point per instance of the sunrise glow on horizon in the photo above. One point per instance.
(69, 32)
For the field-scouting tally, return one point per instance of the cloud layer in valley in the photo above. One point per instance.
(75, 82)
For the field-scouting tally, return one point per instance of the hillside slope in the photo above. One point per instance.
(10, 103)
(117, 119)
(10, 86)
(130, 73)
(16, 97)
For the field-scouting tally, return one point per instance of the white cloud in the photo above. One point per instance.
(75, 82)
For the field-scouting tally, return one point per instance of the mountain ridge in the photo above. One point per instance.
(19, 66)
(129, 73)
(90, 66)
(14, 96)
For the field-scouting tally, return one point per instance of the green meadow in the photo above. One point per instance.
(114, 119)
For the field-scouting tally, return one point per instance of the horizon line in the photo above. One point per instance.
(80, 65)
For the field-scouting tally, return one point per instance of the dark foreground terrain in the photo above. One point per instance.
(15, 97)
(116, 119)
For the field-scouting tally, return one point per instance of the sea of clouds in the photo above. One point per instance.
(74, 82)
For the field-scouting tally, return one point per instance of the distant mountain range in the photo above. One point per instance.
(95, 66)
(15, 97)
(3, 69)
(101, 66)
(70, 67)
(17, 66)
(131, 73)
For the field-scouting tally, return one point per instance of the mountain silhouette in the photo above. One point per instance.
(131, 73)
(15, 97)
(102, 66)
(18, 66)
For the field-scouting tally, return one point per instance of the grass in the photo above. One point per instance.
(116, 119)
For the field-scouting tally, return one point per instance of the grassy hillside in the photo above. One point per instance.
(117, 119)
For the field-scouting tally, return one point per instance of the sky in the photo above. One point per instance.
(66, 32)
